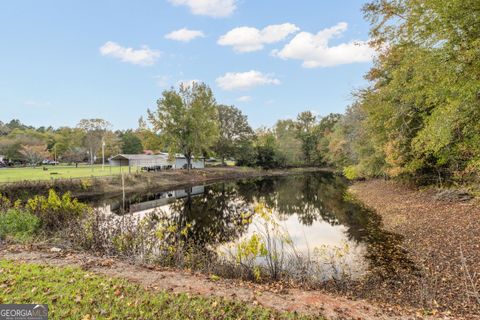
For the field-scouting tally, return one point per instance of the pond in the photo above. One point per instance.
(305, 224)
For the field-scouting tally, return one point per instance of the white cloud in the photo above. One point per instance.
(184, 35)
(212, 8)
(244, 99)
(248, 39)
(314, 50)
(245, 80)
(144, 56)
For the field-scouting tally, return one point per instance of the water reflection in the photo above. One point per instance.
(313, 209)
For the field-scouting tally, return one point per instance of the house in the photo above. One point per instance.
(2, 157)
(155, 162)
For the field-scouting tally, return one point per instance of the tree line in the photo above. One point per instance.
(23, 144)
(187, 120)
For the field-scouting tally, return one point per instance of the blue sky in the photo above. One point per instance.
(61, 61)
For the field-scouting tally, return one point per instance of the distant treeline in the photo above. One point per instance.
(293, 142)
(20, 143)
(187, 120)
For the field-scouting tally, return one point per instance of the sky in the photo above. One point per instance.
(62, 61)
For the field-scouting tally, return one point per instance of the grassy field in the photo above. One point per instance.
(71, 293)
(64, 172)
(58, 172)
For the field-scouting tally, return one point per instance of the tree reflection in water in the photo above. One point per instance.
(221, 214)
(214, 217)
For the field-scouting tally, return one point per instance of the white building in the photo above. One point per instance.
(140, 160)
(160, 161)
(181, 162)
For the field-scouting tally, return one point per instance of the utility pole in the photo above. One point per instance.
(103, 154)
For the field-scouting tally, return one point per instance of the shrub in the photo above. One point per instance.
(56, 212)
(18, 224)
(5, 203)
(350, 173)
(248, 251)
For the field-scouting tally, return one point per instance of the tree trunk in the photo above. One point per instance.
(189, 161)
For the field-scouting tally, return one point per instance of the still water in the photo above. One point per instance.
(312, 210)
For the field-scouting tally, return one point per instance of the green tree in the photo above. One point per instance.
(4, 129)
(75, 154)
(423, 107)
(234, 132)
(68, 144)
(94, 130)
(325, 129)
(150, 140)
(131, 143)
(419, 116)
(11, 145)
(289, 146)
(34, 154)
(10, 149)
(187, 120)
(113, 144)
(307, 134)
(267, 155)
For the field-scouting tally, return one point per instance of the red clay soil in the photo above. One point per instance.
(443, 238)
(274, 297)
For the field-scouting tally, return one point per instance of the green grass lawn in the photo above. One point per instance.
(58, 172)
(75, 294)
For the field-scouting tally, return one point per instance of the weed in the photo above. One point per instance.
(56, 211)
(18, 224)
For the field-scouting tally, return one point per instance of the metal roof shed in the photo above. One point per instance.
(140, 160)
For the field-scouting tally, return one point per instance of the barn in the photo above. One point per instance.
(181, 162)
(160, 161)
(141, 160)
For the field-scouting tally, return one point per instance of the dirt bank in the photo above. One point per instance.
(154, 278)
(443, 239)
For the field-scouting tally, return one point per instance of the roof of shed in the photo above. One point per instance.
(180, 156)
(161, 156)
(139, 157)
